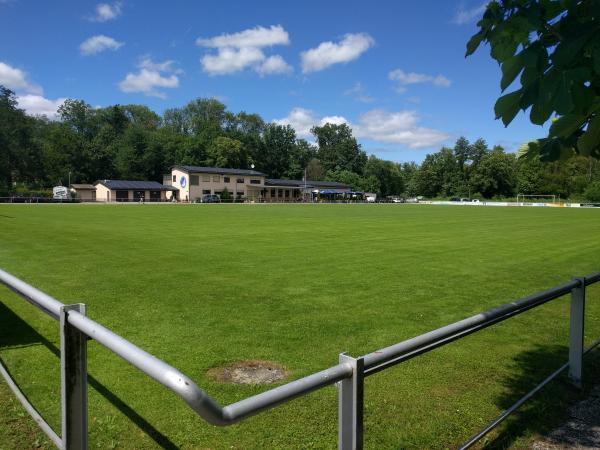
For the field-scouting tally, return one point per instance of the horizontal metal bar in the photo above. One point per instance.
(473, 440)
(195, 397)
(253, 405)
(211, 411)
(405, 357)
(424, 340)
(47, 429)
(34, 296)
(172, 378)
(593, 278)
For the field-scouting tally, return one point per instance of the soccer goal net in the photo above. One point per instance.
(536, 198)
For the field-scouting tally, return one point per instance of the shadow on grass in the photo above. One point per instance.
(548, 408)
(15, 333)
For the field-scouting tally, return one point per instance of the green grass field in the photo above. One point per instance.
(204, 285)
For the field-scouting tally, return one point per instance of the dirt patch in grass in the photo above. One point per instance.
(253, 371)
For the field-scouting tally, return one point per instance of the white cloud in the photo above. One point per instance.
(35, 105)
(399, 127)
(165, 66)
(16, 80)
(329, 53)
(273, 65)
(99, 43)
(243, 50)
(358, 93)
(301, 120)
(150, 77)
(464, 16)
(405, 78)
(254, 37)
(106, 11)
(230, 60)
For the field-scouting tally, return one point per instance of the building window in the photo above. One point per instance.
(280, 192)
(206, 178)
(206, 192)
(226, 180)
(216, 178)
(155, 196)
(194, 180)
(273, 192)
(287, 193)
(174, 178)
(254, 181)
(239, 180)
(122, 196)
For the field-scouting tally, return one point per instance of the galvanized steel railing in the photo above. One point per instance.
(76, 329)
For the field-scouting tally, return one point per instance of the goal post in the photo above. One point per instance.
(535, 198)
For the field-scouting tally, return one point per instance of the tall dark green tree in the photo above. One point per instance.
(338, 149)
(278, 150)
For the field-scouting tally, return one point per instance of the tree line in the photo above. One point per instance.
(132, 142)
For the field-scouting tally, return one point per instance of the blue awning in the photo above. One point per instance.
(332, 191)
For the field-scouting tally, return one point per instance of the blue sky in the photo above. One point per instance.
(395, 71)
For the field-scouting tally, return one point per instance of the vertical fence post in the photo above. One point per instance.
(73, 381)
(350, 406)
(576, 332)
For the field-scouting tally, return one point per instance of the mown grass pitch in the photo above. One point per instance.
(204, 285)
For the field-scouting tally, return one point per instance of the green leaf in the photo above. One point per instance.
(474, 43)
(566, 125)
(530, 94)
(596, 59)
(503, 48)
(563, 103)
(507, 107)
(566, 51)
(543, 106)
(582, 97)
(510, 69)
(540, 113)
(530, 150)
(551, 150)
(590, 140)
(529, 76)
(531, 55)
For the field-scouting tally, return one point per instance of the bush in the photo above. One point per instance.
(592, 193)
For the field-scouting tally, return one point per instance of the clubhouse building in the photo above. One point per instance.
(131, 191)
(192, 182)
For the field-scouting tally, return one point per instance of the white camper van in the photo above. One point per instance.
(60, 193)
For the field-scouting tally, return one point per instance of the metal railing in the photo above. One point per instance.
(349, 374)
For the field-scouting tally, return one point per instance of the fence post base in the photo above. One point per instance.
(73, 384)
(576, 329)
(350, 406)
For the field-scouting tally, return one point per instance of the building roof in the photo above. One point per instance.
(83, 186)
(135, 185)
(309, 184)
(218, 170)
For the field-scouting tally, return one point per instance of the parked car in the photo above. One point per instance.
(397, 200)
(210, 198)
